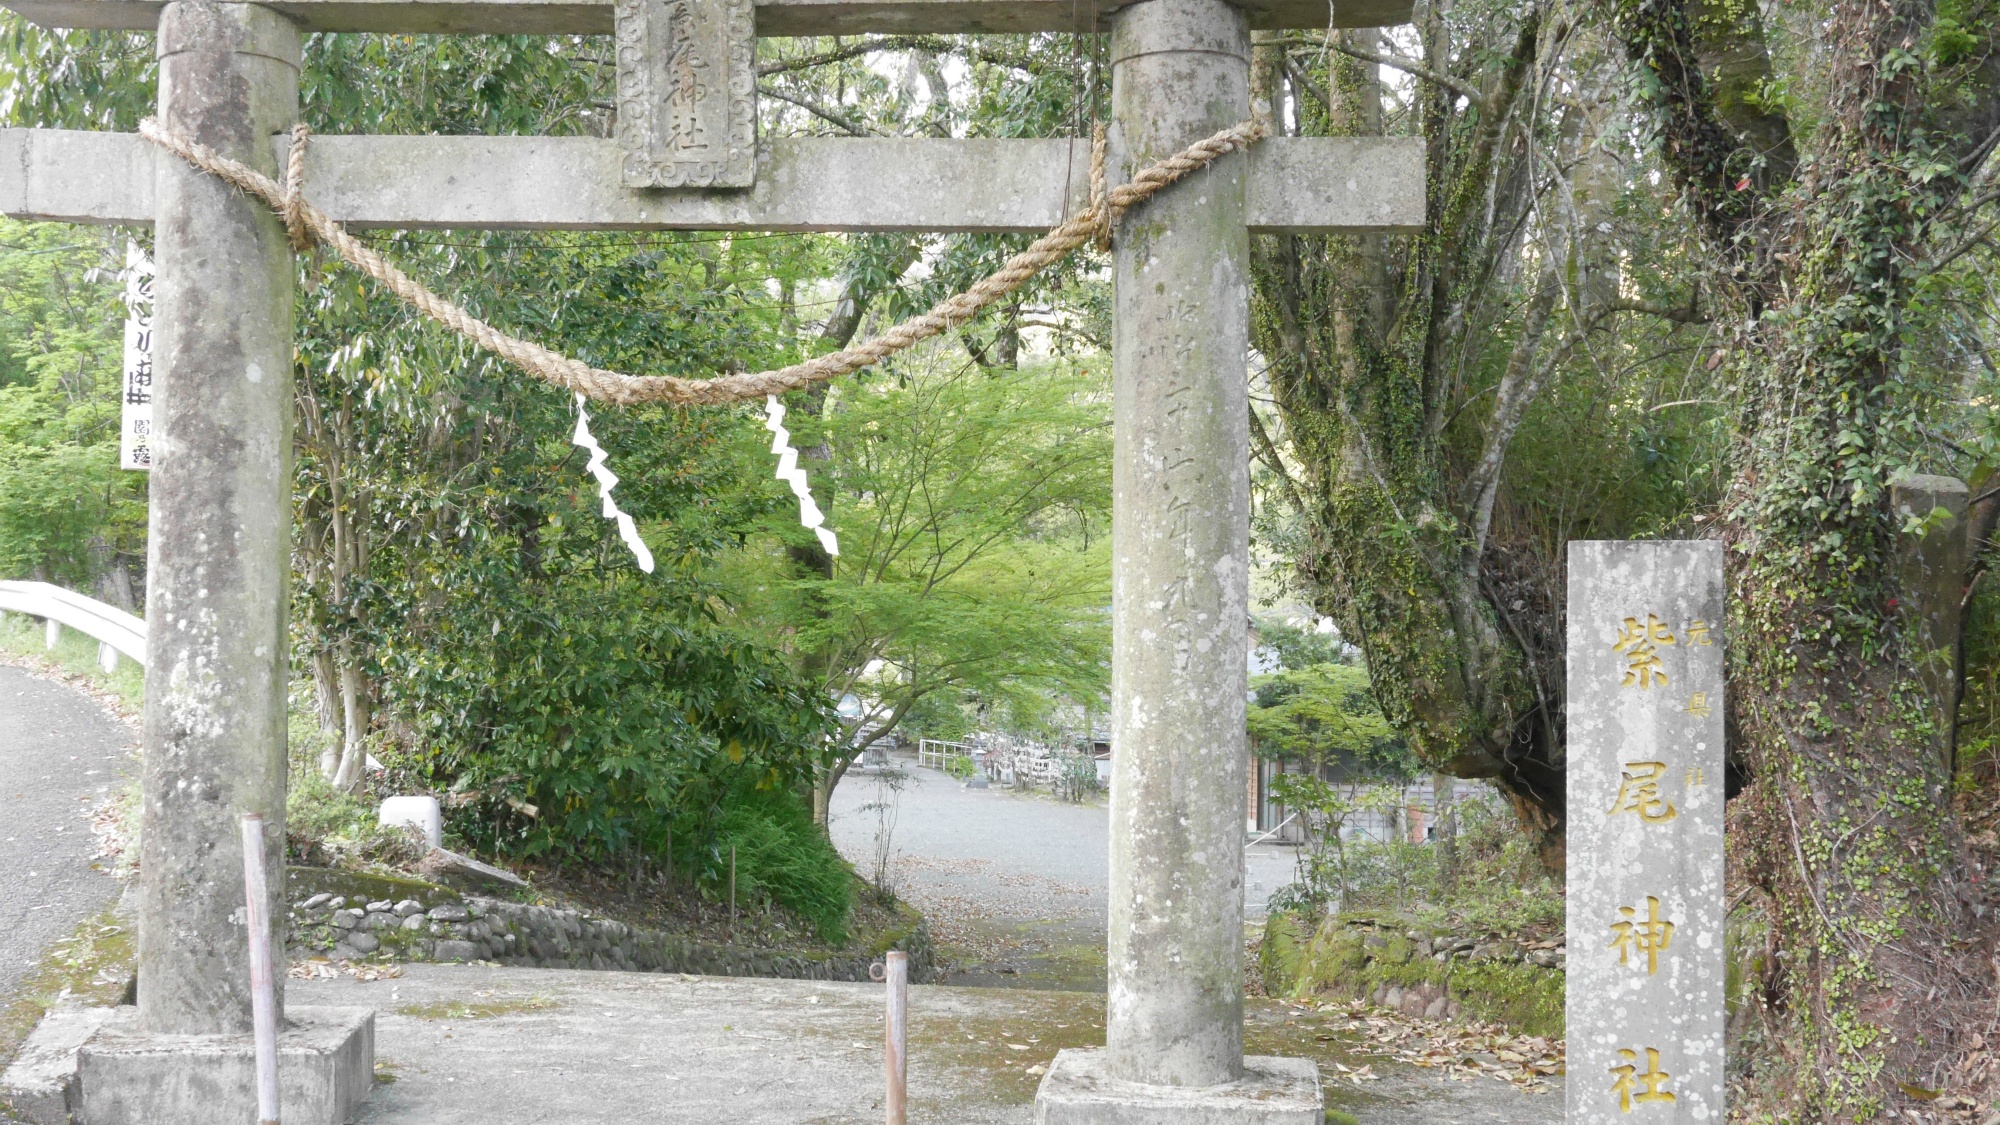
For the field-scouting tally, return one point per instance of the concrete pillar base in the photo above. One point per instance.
(1078, 1090)
(39, 1087)
(326, 1069)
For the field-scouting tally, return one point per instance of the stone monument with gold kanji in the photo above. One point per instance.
(1645, 899)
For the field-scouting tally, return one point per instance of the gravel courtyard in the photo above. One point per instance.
(1014, 884)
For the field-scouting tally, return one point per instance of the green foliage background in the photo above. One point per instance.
(66, 511)
(461, 610)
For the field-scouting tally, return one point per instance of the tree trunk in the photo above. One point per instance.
(326, 698)
(119, 579)
(1882, 972)
(1362, 351)
(332, 558)
(1444, 798)
(825, 779)
(355, 707)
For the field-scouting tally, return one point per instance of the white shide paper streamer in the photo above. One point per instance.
(790, 473)
(606, 481)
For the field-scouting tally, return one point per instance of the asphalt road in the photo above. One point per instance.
(1015, 885)
(60, 756)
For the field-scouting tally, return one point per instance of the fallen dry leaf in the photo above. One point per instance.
(1461, 1051)
(318, 968)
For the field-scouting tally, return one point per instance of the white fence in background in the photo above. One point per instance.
(114, 630)
(935, 753)
(1016, 761)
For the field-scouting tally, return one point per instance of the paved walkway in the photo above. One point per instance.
(476, 1045)
(1014, 884)
(60, 754)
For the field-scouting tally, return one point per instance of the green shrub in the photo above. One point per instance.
(325, 827)
(1499, 884)
(582, 720)
(590, 721)
(783, 858)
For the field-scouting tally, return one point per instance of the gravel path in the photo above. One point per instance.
(60, 756)
(1014, 884)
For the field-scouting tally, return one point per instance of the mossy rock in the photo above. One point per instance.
(365, 886)
(1343, 958)
(897, 934)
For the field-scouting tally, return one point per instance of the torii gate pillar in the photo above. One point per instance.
(219, 539)
(219, 565)
(1180, 545)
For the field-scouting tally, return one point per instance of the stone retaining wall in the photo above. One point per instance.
(443, 925)
(1439, 976)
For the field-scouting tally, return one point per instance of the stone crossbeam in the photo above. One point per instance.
(804, 184)
(774, 17)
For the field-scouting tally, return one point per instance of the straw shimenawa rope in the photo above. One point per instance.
(306, 224)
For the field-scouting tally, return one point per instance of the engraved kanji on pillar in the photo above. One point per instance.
(687, 87)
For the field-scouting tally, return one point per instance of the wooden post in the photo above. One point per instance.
(895, 1035)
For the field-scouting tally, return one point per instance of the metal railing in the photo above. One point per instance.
(114, 630)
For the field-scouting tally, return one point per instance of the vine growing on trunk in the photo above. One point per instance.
(1412, 377)
(1829, 240)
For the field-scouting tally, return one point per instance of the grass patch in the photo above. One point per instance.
(92, 965)
(21, 635)
(475, 1010)
(783, 858)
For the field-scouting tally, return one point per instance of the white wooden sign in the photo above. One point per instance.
(135, 431)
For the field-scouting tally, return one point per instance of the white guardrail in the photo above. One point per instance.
(114, 630)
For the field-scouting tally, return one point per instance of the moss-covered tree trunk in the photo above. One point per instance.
(1367, 336)
(1883, 976)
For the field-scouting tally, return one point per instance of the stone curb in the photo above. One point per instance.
(471, 928)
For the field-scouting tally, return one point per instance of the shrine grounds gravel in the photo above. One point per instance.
(61, 755)
(1014, 884)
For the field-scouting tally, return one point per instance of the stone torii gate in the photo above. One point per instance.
(687, 157)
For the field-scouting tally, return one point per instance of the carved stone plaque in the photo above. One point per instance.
(687, 87)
